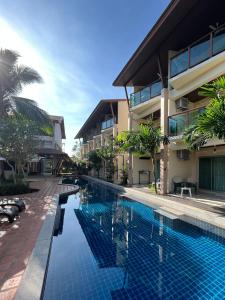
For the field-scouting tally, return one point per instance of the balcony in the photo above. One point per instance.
(202, 50)
(146, 93)
(108, 124)
(179, 122)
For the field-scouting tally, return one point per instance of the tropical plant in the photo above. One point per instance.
(145, 141)
(211, 123)
(107, 154)
(12, 79)
(18, 141)
(95, 160)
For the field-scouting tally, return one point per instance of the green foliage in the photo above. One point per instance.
(124, 176)
(107, 154)
(145, 141)
(12, 79)
(210, 123)
(95, 160)
(18, 140)
(9, 188)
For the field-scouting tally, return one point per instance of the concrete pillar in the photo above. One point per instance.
(102, 140)
(164, 149)
(130, 156)
(115, 131)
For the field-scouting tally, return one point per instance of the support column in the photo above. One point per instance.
(94, 143)
(102, 140)
(164, 148)
(130, 156)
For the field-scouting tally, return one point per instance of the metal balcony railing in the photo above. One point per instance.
(179, 122)
(146, 93)
(201, 50)
(108, 123)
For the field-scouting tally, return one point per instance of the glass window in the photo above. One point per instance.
(199, 53)
(219, 41)
(179, 63)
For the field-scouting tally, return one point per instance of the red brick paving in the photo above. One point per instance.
(17, 239)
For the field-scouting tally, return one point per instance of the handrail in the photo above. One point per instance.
(209, 37)
(177, 126)
(108, 123)
(187, 111)
(148, 90)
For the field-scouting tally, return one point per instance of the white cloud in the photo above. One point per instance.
(66, 89)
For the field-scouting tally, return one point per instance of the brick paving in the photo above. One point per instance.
(17, 240)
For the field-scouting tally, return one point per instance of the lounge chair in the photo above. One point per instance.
(9, 213)
(16, 202)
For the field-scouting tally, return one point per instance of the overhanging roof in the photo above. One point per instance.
(99, 109)
(182, 22)
(50, 151)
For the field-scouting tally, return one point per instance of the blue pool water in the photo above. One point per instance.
(108, 247)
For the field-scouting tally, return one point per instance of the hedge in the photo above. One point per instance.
(9, 188)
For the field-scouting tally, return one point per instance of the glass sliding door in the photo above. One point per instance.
(205, 173)
(219, 174)
(212, 173)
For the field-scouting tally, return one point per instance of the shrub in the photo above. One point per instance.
(9, 188)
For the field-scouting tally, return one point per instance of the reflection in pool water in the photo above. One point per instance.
(114, 248)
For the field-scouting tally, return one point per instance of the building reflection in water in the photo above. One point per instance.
(122, 234)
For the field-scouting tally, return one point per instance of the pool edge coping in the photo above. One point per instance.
(32, 283)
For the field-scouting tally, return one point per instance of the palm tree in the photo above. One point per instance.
(145, 141)
(12, 79)
(211, 123)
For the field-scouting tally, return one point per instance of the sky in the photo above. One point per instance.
(78, 47)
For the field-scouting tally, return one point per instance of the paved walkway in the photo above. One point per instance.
(17, 240)
(207, 201)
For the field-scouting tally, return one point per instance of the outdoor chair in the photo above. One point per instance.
(9, 213)
(178, 183)
(191, 184)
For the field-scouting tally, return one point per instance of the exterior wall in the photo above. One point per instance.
(103, 139)
(58, 135)
(141, 165)
(181, 168)
(122, 117)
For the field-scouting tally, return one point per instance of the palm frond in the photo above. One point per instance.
(8, 57)
(31, 111)
(27, 75)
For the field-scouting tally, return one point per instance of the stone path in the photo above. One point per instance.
(17, 240)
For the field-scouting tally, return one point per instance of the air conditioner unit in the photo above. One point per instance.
(182, 103)
(183, 154)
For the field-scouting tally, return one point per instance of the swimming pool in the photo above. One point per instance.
(109, 247)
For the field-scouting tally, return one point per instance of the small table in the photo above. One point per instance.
(186, 189)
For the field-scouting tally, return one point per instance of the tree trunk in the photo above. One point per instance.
(154, 172)
(13, 172)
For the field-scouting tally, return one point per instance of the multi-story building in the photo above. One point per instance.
(49, 154)
(184, 50)
(50, 151)
(108, 119)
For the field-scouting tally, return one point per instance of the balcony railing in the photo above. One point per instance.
(205, 48)
(179, 122)
(146, 93)
(108, 123)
